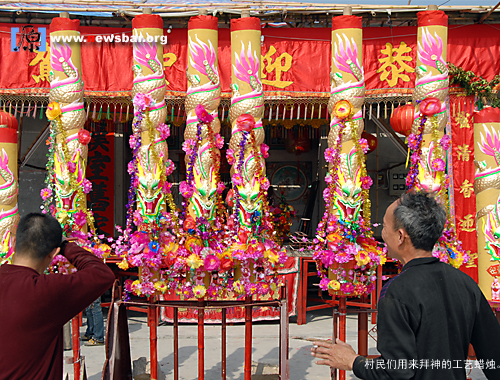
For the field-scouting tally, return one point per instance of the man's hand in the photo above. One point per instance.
(339, 355)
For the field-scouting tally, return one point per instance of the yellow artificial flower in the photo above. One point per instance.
(194, 261)
(199, 291)
(123, 265)
(53, 110)
(238, 287)
(362, 258)
(334, 285)
(161, 286)
(272, 256)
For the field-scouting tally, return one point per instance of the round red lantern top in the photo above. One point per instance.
(7, 120)
(402, 119)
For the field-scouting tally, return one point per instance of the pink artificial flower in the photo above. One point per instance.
(53, 210)
(220, 188)
(203, 115)
(323, 284)
(264, 150)
(264, 183)
(326, 193)
(80, 218)
(330, 154)
(167, 187)
(237, 179)
(366, 182)
(142, 101)
(169, 167)
(364, 145)
(130, 167)
(187, 146)
(230, 156)
(347, 287)
(211, 263)
(328, 178)
(164, 130)
(71, 166)
(185, 189)
(87, 186)
(445, 142)
(46, 193)
(132, 141)
(412, 141)
(438, 165)
(219, 141)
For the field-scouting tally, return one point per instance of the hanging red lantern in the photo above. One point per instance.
(402, 119)
(7, 120)
(372, 141)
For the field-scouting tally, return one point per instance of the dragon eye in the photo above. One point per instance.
(346, 191)
(143, 183)
(243, 196)
(357, 191)
(203, 192)
(60, 180)
(254, 197)
(154, 185)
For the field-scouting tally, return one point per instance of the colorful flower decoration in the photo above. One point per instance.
(346, 254)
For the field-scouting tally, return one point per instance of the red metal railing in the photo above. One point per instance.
(201, 306)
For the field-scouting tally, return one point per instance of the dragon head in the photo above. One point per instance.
(149, 189)
(65, 190)
(347, 199)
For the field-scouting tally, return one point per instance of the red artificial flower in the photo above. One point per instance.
(203, 115)
(84, 136)
(430, 106)
(245, 122)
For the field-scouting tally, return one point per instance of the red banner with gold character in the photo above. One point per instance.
(462, 136)
(294, 61)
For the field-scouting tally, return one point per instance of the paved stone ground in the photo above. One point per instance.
(264, 353)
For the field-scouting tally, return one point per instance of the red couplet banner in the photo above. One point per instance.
(462, 137)
(101, 172)
(295, 61)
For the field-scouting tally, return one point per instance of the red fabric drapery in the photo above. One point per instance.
(295, 62)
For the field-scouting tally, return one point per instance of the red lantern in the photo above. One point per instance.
(402, 119)
(372, 141)
(7, 120)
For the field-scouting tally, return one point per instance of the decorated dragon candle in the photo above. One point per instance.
(68, 140)
(427, 142)
(9, 187)
(202, 138)
(150, 132)
(152, 245)
(487, 190)
(345, 251)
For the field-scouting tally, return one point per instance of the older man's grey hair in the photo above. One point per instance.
(422, 217)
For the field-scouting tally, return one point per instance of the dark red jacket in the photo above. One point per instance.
(34, 308)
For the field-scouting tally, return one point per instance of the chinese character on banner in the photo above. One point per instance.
(463, 120)
(281, 64)
(467, 223)
(43, 60)
(394, 64)
(466, 188)
(463, 152)
(168, 60)
(472, 263)
(30, 39)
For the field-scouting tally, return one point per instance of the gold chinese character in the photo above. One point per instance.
(168, 60)
(463, 152)
(395, 55)
(462, 120)
(466, 188)
(43, 59)
(472, 260)
(278, 66)
(467, 223)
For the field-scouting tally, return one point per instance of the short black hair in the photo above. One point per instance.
(37, 235)
(422, 217)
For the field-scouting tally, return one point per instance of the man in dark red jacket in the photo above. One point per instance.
(34, 306)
